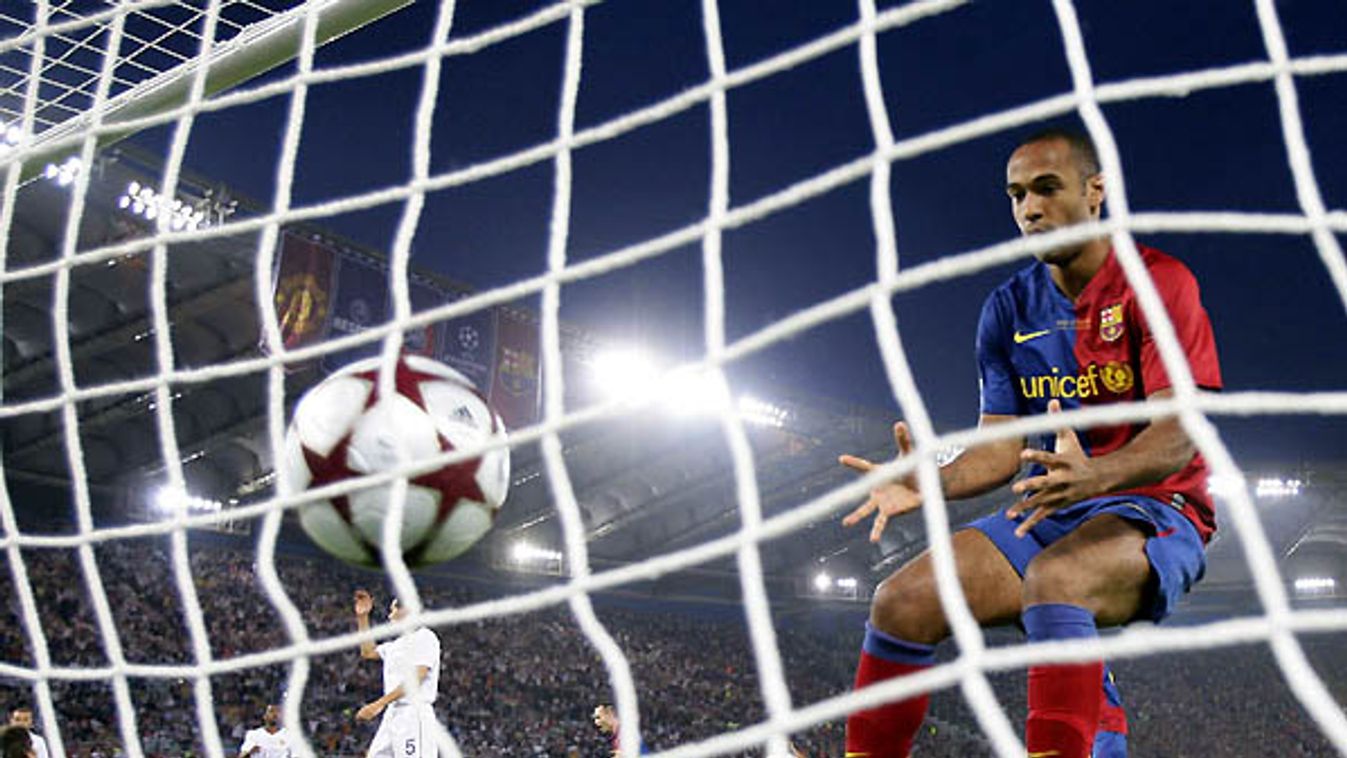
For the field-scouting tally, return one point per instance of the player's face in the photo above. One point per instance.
(271, 716)
(604, 719)
(395, 611)
(1048, 192)
(21, 717)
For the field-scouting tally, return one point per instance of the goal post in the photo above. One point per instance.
(256, 50)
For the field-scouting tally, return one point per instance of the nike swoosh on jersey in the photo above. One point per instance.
(1023, 337)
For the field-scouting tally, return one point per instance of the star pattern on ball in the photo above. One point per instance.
(454, 481)
(333, 467)
(406, 382)
(458, 479)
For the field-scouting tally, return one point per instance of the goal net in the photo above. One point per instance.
(210, 203)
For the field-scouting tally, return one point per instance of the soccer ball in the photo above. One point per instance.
(343, 429)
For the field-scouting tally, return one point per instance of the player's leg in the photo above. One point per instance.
(407, 735)
(906, 622)
(425, 740)
(382, 744)
(1095, 575)
(1110, 740)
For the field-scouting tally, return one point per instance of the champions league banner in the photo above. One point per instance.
(325, 294)
(469, 345)
(303, 291)
(359, 303)
(514, 391)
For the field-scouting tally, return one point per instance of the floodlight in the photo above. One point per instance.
(1276, 487)
(1315, 585)
(761, 412)
(1225, 486)
(520, 553)
(525, 552)
(822, 581)
(624, 373)
(166, 499)
(694, 392)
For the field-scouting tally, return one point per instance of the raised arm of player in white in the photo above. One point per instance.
(363, 605)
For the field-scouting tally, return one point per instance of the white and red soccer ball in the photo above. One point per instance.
(343, 428)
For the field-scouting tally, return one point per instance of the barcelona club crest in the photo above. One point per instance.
(518, 370)
(1111, 323)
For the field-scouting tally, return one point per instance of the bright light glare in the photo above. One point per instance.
(145, 201)
(525, 552)
(10, 136)
(1275, 487)
(633, 375)
(822, 581)
(1315, 585)
(761, 412)
(847, 582)
(64, 174)
(690, 393)
(167, 499)
(1224, 486)
(624, 374)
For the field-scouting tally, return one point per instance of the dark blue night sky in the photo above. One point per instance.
(1279, 323)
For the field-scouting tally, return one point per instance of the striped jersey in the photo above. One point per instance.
(1035, 344)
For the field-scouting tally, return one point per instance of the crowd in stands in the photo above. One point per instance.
(526, 685)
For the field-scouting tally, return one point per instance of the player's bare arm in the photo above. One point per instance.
(364, 603)
(1161, 449)
(371, 710)
(978, 470)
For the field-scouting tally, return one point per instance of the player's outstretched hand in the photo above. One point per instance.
(889, 499)
(1069, 478)
(369, 711)
(363, 603)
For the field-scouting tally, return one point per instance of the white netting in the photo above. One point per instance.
(57, 71)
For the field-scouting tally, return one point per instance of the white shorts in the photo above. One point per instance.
(405, 732)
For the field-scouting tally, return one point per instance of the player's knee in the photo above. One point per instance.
(908, 608)
(1052, 580)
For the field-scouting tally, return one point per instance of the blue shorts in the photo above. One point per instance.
(1173, 547)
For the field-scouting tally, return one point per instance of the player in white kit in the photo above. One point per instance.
(271, 740)
(405, 731)
(23, 716)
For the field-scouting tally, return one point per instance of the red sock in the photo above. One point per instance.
(1063, 710)
(1063, 699)
(887, 731)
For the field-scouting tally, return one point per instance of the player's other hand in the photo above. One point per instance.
(889, 499)
(363, 603)
(369, 712)
(1069, 479)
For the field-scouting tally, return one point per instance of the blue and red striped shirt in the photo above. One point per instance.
(1035, 344)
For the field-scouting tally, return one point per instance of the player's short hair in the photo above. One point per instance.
(15, 742)
(1082, 147)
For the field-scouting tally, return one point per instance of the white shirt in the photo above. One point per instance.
(416, 648)
(39, 744)
(269, 745)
